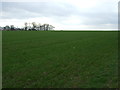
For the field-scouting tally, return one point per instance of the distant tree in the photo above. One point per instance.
(47, 27)
(39, 26)
(12, 27)
(44, 27)
(6, 27)
(26, 25)
(34, 26)
(51, 27)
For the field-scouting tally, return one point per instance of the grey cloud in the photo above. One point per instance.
(38, 9)
(100, 18)
(101, 15)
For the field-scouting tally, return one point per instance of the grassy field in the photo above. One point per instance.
(60, 59)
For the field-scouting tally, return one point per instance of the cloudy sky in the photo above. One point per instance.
(63, 14)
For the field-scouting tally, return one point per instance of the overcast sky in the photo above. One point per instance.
(63, 14)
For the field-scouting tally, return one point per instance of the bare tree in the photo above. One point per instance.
(34, 25)
(12, 27)
(47, 27)
(44, 27)
(39, 26)
(51, 27)
(26, 25)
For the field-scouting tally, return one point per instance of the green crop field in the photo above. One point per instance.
(58, 59)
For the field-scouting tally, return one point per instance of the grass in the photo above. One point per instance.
(37, 59)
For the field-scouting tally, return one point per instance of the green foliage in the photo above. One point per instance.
(60, 59)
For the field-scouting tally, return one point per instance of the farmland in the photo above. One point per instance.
(58, 59)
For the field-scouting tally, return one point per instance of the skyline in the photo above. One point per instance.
(63, 14)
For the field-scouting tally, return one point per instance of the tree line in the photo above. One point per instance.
(30, 27)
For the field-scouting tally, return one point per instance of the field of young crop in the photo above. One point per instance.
(58, 59)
